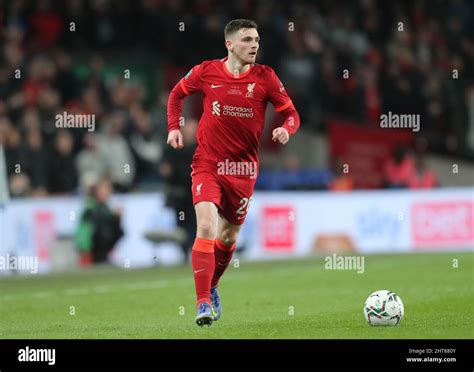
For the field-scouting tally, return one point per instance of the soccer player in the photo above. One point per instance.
(224, 167)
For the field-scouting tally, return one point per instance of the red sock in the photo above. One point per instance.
(223, 256)
(203, 268)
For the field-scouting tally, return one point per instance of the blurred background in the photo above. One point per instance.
(342, 183)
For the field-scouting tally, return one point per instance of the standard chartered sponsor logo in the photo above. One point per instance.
(240, 112)
(236, 111)
(216, 108)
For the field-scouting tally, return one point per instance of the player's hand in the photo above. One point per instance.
(175, 139)
(280, 135)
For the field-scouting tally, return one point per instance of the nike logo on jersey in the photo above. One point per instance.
(198, 271)
(216, 86)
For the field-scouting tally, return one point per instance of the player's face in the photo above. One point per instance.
(245, 45)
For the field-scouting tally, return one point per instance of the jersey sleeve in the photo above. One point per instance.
(191, 82)
(276, 93)
(281, 101)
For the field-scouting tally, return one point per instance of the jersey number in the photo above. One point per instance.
(245, 205)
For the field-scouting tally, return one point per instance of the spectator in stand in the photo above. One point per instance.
(90, 162)
(95, 82)
(19, 183)
(116, 151)
(12, 144)
(34, 162)
(145, 144)
(421, 177)
(89, 104)
(30, 120)
(65, 80)
(398, 169)
(62, 171)
(47, 25)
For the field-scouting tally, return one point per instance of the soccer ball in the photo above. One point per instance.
(383, 308)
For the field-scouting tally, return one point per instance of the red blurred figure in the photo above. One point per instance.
(341, 180)
(421, 176)
(399, 169)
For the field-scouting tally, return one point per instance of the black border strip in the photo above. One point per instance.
(135, 355)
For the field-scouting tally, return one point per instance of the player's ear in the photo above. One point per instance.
(228, 44)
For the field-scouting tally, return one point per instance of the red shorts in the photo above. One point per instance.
(232, 195)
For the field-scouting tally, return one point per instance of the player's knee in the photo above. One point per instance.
(228, 241)
(206, 229)
(228, 237)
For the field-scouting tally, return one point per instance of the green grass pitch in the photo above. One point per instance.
(282, 299)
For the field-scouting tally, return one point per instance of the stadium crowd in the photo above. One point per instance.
(400, 56)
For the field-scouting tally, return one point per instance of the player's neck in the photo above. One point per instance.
(234, 66)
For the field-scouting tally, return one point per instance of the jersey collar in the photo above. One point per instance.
(228, 73)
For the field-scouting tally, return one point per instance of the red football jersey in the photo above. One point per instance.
(234, 109)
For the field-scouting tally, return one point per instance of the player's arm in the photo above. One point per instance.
(188, 85)
(283, 104)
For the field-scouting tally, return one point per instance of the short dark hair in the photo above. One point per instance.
(236, 24)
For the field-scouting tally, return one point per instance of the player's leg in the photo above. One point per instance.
(203, 262)
(207, 193)
(227, 234)
(236, 198)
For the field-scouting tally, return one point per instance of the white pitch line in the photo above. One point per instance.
(75, 291)
(42, 294)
